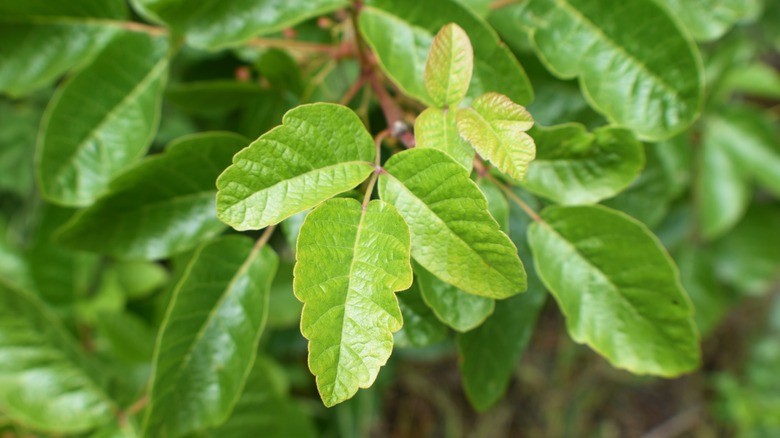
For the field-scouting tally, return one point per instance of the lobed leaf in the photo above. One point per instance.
(164, 205)
(215, 25)
(496, 127)
(350, 260)
(573, 166)
(635, 65)
(102, 119)
(453, 235)
(320, 150)
(208, 339)
(45, 381)
(435, 128)
(618, 289)
(400, 33)
(449, 66)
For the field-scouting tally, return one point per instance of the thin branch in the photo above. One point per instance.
(269, 230)
(123, 416)
(516, 199)
(383, 134)
(353, 90)
(498, 4)
(393, 113)
(135, 26)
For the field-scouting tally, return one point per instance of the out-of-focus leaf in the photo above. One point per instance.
(710, 301)
(208, 340)
(421, 326)
(163, 205)
(17, 144)
(460, 310)
(45, 381)
(497, 203)
(758, 79)
(102, 119)
(214, 98)
(635, 65)
(710, 19)
(127, 336)
(285, 309)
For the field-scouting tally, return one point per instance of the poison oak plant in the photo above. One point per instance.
(420, 194)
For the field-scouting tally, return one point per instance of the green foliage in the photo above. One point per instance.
(145, 290)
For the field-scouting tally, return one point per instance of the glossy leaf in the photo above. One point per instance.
(710, 19)
(320, 151)
(617, 287)
(224, 23)
(574, 166)
(453, 235)
(208, 340)
(265, 408)
(400, 33)
(100, 121)
(449, 66)
(635, 65)
(161, 206)
(350, 260)
(435, 128)
(45, 382)
(460, 310)
(496, 127)
(421, 326)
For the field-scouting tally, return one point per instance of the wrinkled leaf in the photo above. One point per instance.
(574, 166)
(435, 128)
(453, 235)
(161, 206)
(449, 66)
(208, 340)
(496, 127)
(320, 151)
(618, 289)
(350, 260)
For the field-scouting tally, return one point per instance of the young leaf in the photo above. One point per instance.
(214, 25)
(635, 65)
(573, 166)
(496, 127)
(453, 235)
(45, 382)
(460, 310)
(350, 260)
(320, 150)
(448, 67)
(208, 340)
(617, 287)
(435, 128)
(400, 33)
(421, 326)
(162, 206)
(102, 119)
(710, 19)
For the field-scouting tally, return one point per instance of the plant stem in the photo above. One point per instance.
(353, 90)
(269, 230)
(135, 26)
(516, 199)
(301, 46)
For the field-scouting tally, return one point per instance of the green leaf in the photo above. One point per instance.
(320, 151)
(710, 301)
(722, 185)
(435, 128)
(208, 340)
(617, 287)
(400, 33)
(112, 9)
(102, 119)
(285, 309)
(573, 166)
(460, 310)
(496, 127)
(749, 257)
(758, 79)
(454, 237)
(497, 203)
(449, 66)
(265, 409)
(129, 337)
(17, 144)
(215, 97)
(163, 205)
(710, 19)
(350, 260)
(214, 25)
(635, 65)
(45, 381)
(421, 326)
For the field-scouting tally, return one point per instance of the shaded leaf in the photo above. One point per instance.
(710, 19)
(453, 235)
(449, 66)
(460, 310)
(497, 203)
(635, 65)
(574, 166)
(421, 326)
(102, 119)
(208, 340)
(617, 287)
(161, 206)
(45, 382)
(320, 151)
(496, 127)
(710, 301)
(435, 128)
(350, 260)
